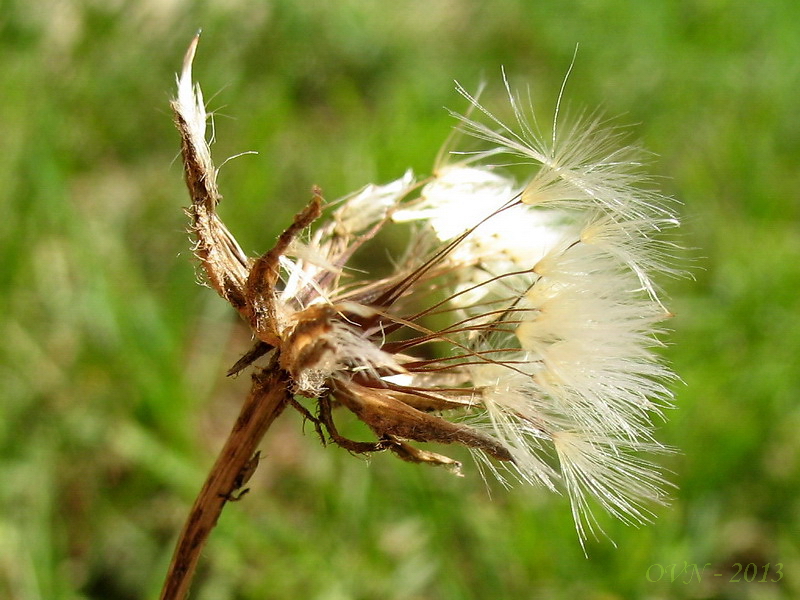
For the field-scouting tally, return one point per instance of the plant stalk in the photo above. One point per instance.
(235, 463)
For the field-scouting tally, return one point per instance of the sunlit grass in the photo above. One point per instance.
(113, 359)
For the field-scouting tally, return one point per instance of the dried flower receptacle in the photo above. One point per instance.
(520, 323)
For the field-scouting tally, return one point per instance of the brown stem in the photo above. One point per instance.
(235, 463)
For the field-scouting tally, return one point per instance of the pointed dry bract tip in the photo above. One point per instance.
(190, 107)
(188, 58)
(190, 99)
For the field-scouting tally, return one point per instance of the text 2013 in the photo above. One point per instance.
(689, 572)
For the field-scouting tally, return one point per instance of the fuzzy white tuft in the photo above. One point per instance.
(558, 272)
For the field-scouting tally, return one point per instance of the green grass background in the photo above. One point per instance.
(112, 358)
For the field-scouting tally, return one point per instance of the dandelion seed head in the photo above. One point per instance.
(521, 322)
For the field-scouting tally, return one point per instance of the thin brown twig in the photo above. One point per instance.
(235, 463)
(231, 274)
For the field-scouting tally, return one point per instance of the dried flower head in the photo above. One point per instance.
(520, 322)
